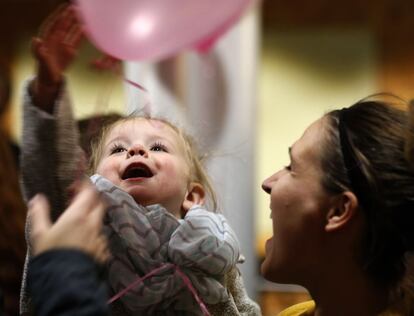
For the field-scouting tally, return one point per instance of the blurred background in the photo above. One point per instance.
(247, 100)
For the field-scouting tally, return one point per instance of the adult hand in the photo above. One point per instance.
(54, 49)
(79, 227)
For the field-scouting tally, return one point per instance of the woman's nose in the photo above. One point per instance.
(266, 187)
(267, 183)
(137, 150)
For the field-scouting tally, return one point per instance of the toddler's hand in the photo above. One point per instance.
(54, 49)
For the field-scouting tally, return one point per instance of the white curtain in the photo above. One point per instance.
(214, 95)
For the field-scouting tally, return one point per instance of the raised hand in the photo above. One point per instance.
(54, 49)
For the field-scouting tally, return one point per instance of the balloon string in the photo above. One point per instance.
(185, 279)
(108, 62)
(193, 291)
(136, 282)
(135, 84)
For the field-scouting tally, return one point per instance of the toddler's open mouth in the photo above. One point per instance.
(137, 170)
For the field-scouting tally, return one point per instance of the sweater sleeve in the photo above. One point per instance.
(51, 157)
(50, 161)
(66, 283)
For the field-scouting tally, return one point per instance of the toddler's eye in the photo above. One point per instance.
(158, 147)
(117, 149)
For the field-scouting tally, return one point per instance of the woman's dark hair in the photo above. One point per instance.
(12, 223)
(5, 89)
(365, 152)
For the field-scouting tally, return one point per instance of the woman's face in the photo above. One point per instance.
(298, 206)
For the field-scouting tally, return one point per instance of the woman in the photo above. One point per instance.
(343, 213)
(12, 242)
(12, 210)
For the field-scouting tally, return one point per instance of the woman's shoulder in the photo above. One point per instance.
(302, 309)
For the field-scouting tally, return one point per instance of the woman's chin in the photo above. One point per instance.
(270, 267)
(266, 266)
(267, 270)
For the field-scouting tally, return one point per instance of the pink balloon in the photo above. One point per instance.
(156, 29)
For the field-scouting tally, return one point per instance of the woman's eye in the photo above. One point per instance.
(159, 147)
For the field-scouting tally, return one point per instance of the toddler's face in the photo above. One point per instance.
(146, 158)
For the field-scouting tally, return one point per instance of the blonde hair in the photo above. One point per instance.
(194, 159)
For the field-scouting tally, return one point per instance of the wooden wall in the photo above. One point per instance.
(391, 20)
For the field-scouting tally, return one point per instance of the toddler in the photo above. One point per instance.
(155, 187)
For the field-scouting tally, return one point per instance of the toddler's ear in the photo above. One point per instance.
(195, 195)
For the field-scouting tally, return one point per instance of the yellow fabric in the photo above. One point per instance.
(308, 309)
(301, 309)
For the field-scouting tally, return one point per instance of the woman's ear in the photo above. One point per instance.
(195, 195)
(343, 210)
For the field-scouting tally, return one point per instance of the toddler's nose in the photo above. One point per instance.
(138, 150)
